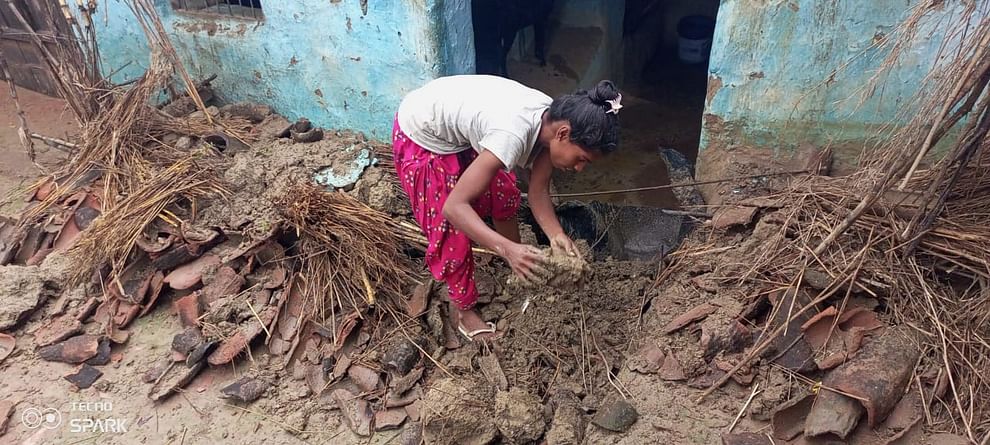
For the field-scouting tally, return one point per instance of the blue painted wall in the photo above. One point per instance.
(771, 84)
(321, 59)
(327, 60)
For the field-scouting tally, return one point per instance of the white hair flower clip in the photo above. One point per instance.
(615, 105)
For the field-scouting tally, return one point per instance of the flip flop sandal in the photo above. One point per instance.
(471, 334)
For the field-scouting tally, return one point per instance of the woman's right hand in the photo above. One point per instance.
(526, 261)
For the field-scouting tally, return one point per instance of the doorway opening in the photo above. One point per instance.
(656, 51)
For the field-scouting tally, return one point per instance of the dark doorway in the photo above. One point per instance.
(639, 45)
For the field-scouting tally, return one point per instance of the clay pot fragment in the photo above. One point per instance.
(200, 352)
(84, 376)
(173, 379)
(189, 308)
(288, 313)
(879, 374)
(184, 342)
(787, 420)
(102, 356)
(57, 329)
(696, 313)
(356, 411)
(237, 343)
(188, 275)
(154, 291)
(390, 419)
(224, 283)
(303, 131)
(84, 216)
(155, 243)
(647, 360)
(224, 143)
(845, 340)
(416, 304)
(833, 413)
(366, 378)
(402, 384)
(74, 350)
(729, 216)
(790, 349)
(671, 369)
(200, 239)
(401, 357)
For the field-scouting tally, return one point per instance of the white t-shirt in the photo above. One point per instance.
(452, 114)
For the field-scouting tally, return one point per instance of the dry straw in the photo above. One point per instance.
(910, 226)
(350, 253)
(121, 153)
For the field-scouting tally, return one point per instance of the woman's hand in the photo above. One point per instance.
(561, 243)
(542, 207)
(525, 260)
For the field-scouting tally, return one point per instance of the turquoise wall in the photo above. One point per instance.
(770, 79)
(771, 83)
(322, 59)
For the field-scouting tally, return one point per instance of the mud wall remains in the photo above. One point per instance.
(786, 74)
(344, 64)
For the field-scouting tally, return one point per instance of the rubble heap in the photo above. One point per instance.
(845, 308)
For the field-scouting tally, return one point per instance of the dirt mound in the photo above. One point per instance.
(570, 339)
(264, 173)
(553, 363)
(22, 290)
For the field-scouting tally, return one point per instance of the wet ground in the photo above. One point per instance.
(46, 116)
(662, 110)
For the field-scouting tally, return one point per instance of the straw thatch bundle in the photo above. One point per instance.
(909, 227)
(122, 156)
(351, 254)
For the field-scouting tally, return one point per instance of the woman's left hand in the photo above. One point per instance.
(561, 243)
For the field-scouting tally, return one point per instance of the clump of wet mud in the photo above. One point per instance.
(458, 411)
(379, 189)
(23, 289)
(561, 271)
(519, 416)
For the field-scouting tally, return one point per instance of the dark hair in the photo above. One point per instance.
(591, 127)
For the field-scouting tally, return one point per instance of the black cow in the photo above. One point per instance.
(496, 23)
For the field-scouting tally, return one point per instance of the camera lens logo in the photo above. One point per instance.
(48, 418)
